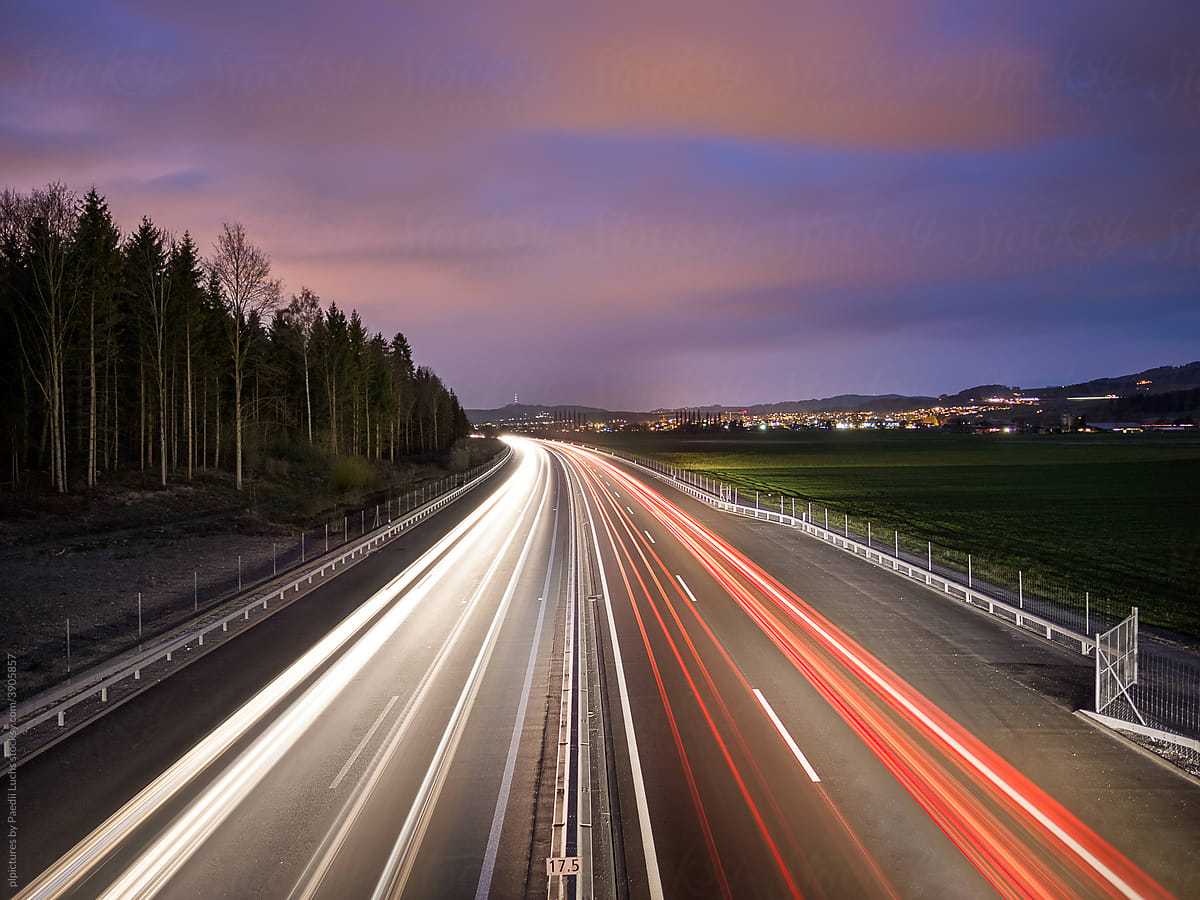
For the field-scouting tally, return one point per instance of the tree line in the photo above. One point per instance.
(135, 351)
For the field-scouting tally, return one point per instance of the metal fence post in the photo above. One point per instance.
(929, 554)
(970, 574)
(239, 573)
(1087, 612)
(897, 543)
(756, 499)
(846, 524)
(868, 535)
(827, 518)
(1021, 587)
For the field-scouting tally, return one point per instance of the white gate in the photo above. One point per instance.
(1117, 664)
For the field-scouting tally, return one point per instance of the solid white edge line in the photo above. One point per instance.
(687, 590)
(787, 738)
(363, 743)
(649, 535)
(653, 878)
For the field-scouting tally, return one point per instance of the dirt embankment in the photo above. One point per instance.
(86, 557)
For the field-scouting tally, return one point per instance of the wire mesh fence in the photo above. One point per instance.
(246, 563)
(1167, 694)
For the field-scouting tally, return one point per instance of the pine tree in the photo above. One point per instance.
(97, 265)
(187, 285)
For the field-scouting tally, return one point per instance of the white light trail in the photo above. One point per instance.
(80, 861)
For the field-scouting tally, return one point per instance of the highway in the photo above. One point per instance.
(582, 664)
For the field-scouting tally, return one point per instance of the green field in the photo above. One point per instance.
(1117, 516)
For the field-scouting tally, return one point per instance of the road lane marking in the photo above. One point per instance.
(363, 743)
(649, 535)
(687, 590)
(787, 738)
(653, 877)
(628, 510)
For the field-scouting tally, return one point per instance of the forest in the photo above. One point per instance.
(139, 352)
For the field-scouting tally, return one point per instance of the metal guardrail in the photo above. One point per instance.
(105, 677)
(969, 595)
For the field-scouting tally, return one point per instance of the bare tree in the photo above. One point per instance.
(303, 314)
(248, 292)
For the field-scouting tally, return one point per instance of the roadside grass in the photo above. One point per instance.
(1116, 516)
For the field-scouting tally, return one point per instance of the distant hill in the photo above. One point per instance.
(845, 403)
(1134, 392)
(1152, 381)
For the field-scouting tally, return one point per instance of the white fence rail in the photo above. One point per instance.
(968, 594)
(96, 684)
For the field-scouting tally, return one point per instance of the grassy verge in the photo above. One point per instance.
(1115, 516)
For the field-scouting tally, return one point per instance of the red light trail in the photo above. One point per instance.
(1021, 840)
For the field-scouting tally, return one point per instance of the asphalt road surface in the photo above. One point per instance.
(579, 664)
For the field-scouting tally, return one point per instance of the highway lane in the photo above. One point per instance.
(65, 793)
(809, 731)
(394, 757)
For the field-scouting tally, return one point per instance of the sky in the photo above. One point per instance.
(643, 204)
